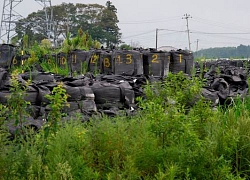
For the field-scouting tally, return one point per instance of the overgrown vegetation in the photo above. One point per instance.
(171, 137)
(43, 55)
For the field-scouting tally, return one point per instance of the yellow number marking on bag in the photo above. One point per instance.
(63, 60)
(118, 59)
(180, 58)
(14, 60)
(155, 58)
(106, 62)
(93, 59)
(129, 58)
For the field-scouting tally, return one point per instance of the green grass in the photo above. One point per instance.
(169, 138)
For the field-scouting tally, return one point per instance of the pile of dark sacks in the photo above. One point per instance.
(111, 95)
(225, 80)
(87, 95)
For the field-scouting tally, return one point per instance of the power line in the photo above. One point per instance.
(140, 36)
(135, 35)
(225, 36)
(190, 31)
(218, 24)
(211, 41)
(150, 21)
(201, 32)
(156, 35)
(172, 30)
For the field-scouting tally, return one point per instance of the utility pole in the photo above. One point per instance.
(197, 45)
(187, 16)
(156, 38)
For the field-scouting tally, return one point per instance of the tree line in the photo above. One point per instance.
(241, 51)
(100, 23)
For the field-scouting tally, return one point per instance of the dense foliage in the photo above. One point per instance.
(39, 53)
(100, 22)
(240, 51)
(171, 137)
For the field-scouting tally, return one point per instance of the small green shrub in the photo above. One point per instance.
(17, 105)
(58, 100)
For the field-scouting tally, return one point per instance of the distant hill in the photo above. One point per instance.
(240, 51)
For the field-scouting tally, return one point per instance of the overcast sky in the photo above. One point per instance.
(214, 23)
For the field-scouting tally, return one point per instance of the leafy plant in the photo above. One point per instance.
(17, 104)
(84, 67)
(82, 41)
(3, 114)
(58, 100)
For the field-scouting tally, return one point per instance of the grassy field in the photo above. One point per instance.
(175, 134)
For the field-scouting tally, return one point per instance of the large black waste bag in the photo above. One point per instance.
(30, 95)
(42, 92)
(19, 60)
(38, 77)
(87, 105)
(3, 77)
(220, 85)
(109, 95)
(36, 111)
(4, 94)
(233, 63)
(136, 82)
(62, 61)
(210, 95)
(237, 85)
(127, 62)
(211, 74)
(7, 53)
(79, 93)
(181, 60)
(78, 61)
(72, 106)
(240, 63)
(156, 63)
(237, 90)
(83, 105)
(236, 71)
(81, 80)
(28, 122)
(94, 63)
(106, 62)
(221, 63)
(7, 81)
